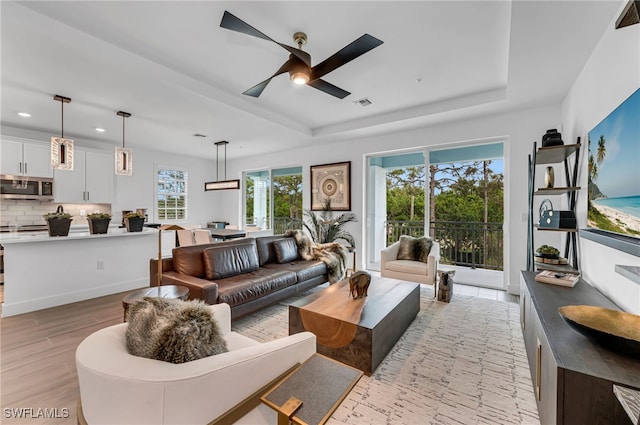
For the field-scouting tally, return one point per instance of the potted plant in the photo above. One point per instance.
(547, 251)
(98, 222)
(134, 221)
(58, 223)
(324, 227)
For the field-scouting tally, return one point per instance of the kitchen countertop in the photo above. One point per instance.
(74, 234)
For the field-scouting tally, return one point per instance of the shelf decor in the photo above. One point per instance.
(61, 148)
(331, 183)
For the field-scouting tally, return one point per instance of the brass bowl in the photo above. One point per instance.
(616, 330)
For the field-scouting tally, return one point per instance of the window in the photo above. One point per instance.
(273, 199)
(172, 194)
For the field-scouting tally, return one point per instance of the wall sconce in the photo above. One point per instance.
(61, 148)
(124, 157)
(222, 184)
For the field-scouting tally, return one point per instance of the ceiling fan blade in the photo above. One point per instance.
(233, 23)
(257, 90)
(328, 88)
(348, 53)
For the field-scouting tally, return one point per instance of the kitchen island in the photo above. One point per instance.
(43, 271)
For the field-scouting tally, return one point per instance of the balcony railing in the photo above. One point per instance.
(470, 244)
(282, 224)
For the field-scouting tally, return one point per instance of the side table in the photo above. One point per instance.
(312, 392)
(165, 291)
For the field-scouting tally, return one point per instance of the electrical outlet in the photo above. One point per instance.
(100, 264)
(83, 213)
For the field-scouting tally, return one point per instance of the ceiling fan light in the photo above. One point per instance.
(300, 78)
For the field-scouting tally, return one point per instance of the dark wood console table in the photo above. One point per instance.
(572, 376)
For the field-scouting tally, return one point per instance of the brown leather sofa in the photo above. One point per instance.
(248, 274)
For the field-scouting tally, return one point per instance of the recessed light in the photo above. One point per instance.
(24, 115)
(100, 130)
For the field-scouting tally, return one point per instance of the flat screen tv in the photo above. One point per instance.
(614, 173)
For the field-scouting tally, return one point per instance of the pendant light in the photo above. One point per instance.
(124, 159)
(61, 148)
(222, 184)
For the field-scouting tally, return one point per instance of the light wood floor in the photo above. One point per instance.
(38, 353)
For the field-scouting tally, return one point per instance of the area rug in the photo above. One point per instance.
(462, 362)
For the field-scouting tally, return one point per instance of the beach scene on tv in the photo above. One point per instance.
(614, 171)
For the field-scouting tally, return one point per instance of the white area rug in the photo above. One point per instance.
(458, 363)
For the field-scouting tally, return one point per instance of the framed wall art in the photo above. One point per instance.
(331, 183)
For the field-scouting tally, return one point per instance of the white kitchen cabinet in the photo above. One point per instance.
(91, 180)
(26, 159)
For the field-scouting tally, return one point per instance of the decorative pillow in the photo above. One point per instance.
(173, 331)
(406, 250)
(414, 249)
(286, 250)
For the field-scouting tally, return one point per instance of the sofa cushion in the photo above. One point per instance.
(230, 260)
(266, 251)
(414, 249)
(173, 330)
(247, 287)
(286, 250)
(304, 270)
(408, 266)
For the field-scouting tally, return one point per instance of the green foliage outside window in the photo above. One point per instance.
(172, 194)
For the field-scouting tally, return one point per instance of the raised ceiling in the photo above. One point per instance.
(178, 73)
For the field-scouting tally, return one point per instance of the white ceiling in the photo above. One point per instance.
(178, 73)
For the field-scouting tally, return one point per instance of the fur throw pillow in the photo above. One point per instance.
(414, 249)
(174, 331)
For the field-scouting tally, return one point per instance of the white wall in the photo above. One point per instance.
(518, 129)
(610, 76)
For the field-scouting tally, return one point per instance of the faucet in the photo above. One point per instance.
(60, 209)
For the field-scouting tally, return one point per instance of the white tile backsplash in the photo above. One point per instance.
(19, 212)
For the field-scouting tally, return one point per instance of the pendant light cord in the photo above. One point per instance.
(123, 118)
(62, 115)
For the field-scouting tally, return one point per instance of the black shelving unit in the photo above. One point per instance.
(569, 155)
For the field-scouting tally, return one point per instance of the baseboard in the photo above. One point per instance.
(12, 309)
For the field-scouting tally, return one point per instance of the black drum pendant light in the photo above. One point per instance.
(222, 184)
(61, 148)
(124, 159)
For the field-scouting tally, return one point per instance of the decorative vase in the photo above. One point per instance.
(59, 226)
(548, 178)
(134, 224)
(98, 225)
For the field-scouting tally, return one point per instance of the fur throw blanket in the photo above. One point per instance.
(333, 254)
(174, 331)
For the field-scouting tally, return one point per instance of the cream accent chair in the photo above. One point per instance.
(413, 271)
(119, 388)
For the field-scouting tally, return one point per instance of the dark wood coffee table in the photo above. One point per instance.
(164, 291)
(359, 332)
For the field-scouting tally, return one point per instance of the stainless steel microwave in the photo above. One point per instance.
(24, 187)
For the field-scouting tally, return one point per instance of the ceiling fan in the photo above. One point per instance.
(299, 63)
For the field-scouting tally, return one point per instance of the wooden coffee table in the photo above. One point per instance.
(359, 332)
(164, 291)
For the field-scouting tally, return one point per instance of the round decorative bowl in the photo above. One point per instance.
(551, 256)
(615, 330)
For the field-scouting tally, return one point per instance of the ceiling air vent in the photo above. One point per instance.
(365, 101)
(199, 135)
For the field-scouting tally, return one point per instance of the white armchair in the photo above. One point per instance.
(413, 271)
(119, 388)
